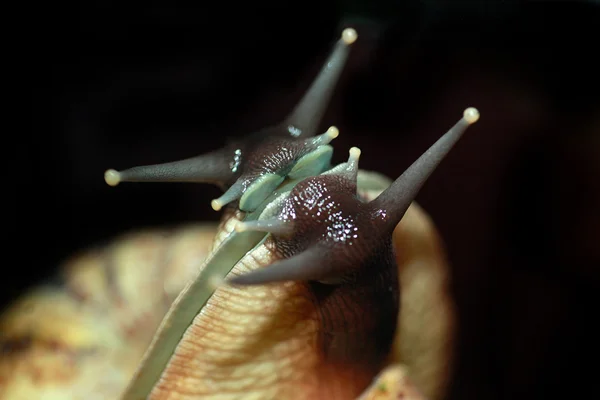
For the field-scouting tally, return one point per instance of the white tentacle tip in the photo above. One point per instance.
(354, 153)
(241, 227)
(333, 132)
(349, 35)
(471, 115)
(216, 205)
(112, 177)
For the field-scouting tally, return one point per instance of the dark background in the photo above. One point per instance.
(517, 200)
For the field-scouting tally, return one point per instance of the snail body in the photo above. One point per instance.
(299, 296)
(322, 234)
(332, 249)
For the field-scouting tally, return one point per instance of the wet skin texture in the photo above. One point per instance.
(331, 248)
(312, 312)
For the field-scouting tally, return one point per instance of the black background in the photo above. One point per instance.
(517, 200)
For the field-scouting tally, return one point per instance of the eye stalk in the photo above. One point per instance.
(334, 235)
(395, 200)
(309, 158)
(305, 118)
(252, 167)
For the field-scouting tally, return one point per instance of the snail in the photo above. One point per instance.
(298, 296)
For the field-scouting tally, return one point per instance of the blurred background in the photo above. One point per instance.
(517, 201)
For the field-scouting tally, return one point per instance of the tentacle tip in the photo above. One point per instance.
(349, 35)
(216, 204)
(112, 177)
(354, 153)
(333, 132)
(241, 227)
(471, 115)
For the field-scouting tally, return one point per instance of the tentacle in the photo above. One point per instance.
(215, 167)
(319, 157)
(250, 172)
(395, 200)
(309, 265)
(253, 188)
(274, 226)
(348, 169)
(304, 120)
